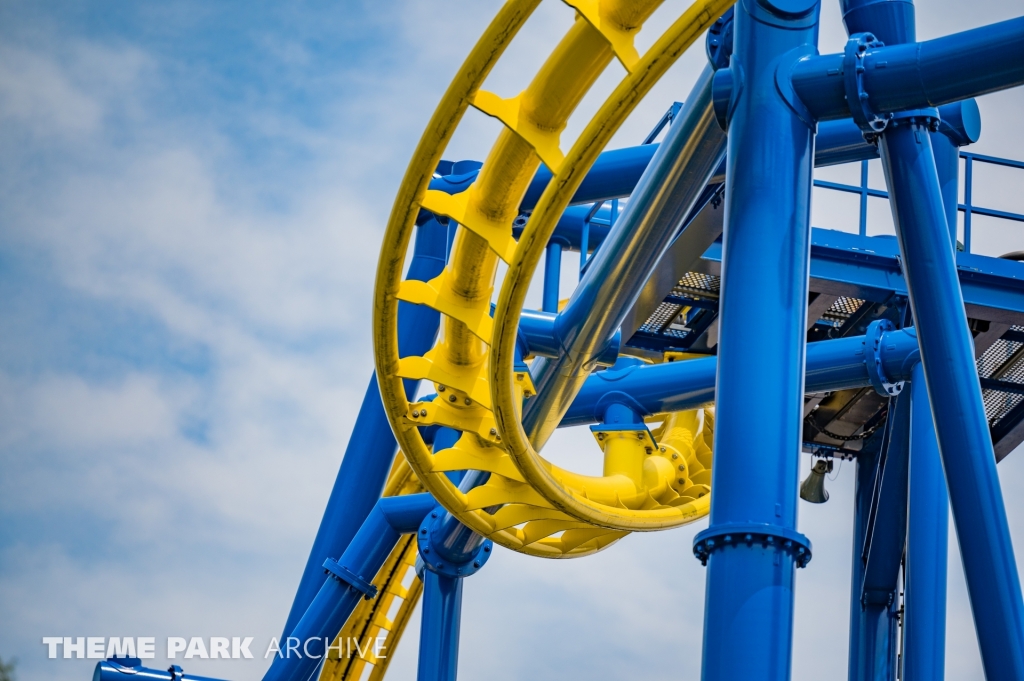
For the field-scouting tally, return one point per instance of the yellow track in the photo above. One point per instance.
(543, 510)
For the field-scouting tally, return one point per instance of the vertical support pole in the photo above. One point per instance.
(752, 548)
(947, 165)
(439, 633)
(968, 191)
(552, 276)
(863, 230)
(371, 448)
(924, 623)
(867, 470)
(584, 246)
(947, 353)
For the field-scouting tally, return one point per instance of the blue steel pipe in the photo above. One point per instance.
(867, 469)
(371, 446)
(388, 520)
(439, 633)
(684, 163)
(748, 612)
(883, 551)
(552, 276)
(837, 364)
(916, 75)
(111, 670)
(947, 353)
(924, 623)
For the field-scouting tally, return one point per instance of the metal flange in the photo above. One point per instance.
(735, 534)
(873, 359)
(341, 573)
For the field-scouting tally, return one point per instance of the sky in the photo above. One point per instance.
(192, 198)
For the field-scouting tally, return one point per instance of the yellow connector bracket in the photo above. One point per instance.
(441, 412)
(462, 208)
(544, 142)
(469, 454)
(438, 294)
(620, 39)
(434, 367)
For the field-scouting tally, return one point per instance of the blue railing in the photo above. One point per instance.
(967, 207)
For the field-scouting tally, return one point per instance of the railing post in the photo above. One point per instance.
(863, 229)
(968, 191)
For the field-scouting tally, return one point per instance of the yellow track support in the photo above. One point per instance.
(353, 648)
(478, 391)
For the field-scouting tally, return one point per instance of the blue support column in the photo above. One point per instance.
(439, 633)
(947, 353)
(552, 276)
(449, 552)
(924, 623)
(867, 469)
(752, 547)
(349, 579)
(371, 447)
(882, 552)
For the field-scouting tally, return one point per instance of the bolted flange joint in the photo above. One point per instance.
(341, 573)
(748, 534)
(857, 98)
(873, 359)
(435, 561)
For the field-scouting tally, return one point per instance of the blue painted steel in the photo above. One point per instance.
(870, 268)
(131, 669)
(748, 617)
(665, 196)
(589, 220)
(552, 276)
(924, 623)
(867, 471)
(963, 435)
(372, 446)
(377, 536)
(837, 364)
(439, 632)
(883, 549)
(916, 75)
(892, 21)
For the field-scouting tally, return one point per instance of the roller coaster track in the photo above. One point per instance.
(535, 507)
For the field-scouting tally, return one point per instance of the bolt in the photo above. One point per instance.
(452, 398)
(415, 413)
(600, 436)
(441, 388)
(468, 401)
(640, 436)
(476, 563)
(423, 531)
(493, 431)
(674, 456)
(423, 412)
(426, 549)
(663, 450)
(681, 481)
(487, 549)
(433, 514)
(682, 467)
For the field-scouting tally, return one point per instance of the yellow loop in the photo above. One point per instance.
(540, 474)
(506, 509)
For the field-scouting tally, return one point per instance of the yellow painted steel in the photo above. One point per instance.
(539, 473)
(478, 392)
(398, 589)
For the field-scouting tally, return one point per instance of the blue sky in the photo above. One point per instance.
(191, 203)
